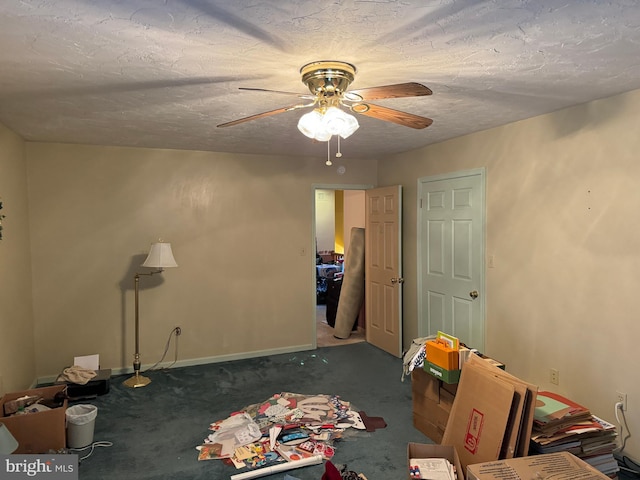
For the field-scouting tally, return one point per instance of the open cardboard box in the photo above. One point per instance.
(560, 466)
(423, 450)
(37, 432)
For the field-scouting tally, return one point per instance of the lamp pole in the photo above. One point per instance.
(138, 380)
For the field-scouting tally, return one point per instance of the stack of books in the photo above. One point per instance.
(562, 425)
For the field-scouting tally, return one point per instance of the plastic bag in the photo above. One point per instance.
(81, 414)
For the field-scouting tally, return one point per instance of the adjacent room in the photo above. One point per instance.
(126, 125)
(337, 212)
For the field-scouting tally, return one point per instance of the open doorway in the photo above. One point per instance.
(336, 212)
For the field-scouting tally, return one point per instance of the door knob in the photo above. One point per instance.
(473, 294)
(397, 280)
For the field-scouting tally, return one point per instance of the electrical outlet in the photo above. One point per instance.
(178, 331)
(622, 398)
(554, 376)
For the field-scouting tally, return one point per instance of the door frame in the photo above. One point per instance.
(312, 248)
(421, 261)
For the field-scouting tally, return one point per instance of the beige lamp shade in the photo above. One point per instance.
(160, 256)
(8, 443)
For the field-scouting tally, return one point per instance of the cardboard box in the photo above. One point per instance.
(493, 362)
(431, 404)
(491, 414)
(422, 450)
(452, 388)
(479, 416)
(37, 432)
(425, 385)
(521, 423)
(560, 466)
(432, 426)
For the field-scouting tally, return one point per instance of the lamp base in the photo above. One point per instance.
(137, 381)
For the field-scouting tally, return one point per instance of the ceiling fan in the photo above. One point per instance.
(328, 82)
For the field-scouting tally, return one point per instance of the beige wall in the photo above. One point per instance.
(325, 220)
(563, 204)
(17, 360)
(238, 225)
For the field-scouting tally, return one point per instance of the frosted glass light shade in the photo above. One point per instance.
(321, 127)
(338, 122)
(160, 256)
(322, 135)
(310, 122)
(8, 443)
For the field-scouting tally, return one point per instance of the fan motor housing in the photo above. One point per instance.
(328, 78)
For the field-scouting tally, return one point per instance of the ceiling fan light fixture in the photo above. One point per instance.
(322, 135)
(309, 123)
(337, 122)
(322, 126)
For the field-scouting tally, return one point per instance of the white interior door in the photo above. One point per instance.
(451, 256)
(383, 268)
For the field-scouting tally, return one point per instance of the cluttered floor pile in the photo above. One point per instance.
(284, 432)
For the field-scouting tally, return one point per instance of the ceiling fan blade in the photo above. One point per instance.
(390, 115)
(262, 115)
(300, 95)
(400, 90)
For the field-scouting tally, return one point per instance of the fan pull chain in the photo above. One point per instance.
(338, 153)
(328, 162)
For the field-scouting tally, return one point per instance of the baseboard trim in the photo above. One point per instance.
(198, 361)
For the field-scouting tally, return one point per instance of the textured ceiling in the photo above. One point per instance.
(154, 73)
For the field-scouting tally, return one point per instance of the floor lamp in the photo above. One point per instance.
(160, 257)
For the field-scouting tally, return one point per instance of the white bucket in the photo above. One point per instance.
(81, 421)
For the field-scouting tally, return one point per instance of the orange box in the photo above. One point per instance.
(441, 355)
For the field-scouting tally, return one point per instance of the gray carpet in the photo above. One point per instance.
(155, 429)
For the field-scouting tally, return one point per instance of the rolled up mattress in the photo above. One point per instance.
(352, 292)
